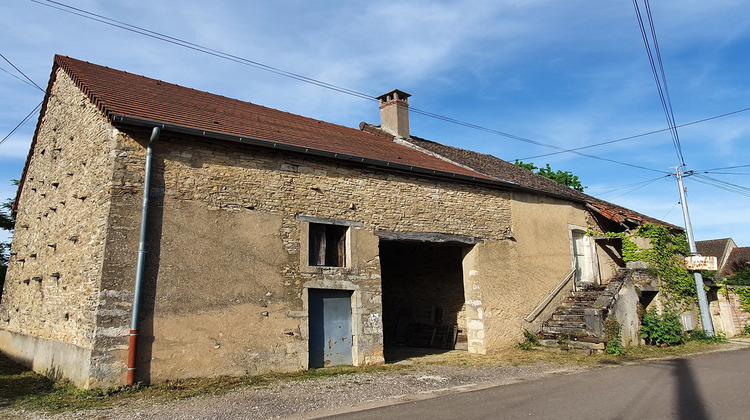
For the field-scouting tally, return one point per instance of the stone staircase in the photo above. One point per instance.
(573, 326)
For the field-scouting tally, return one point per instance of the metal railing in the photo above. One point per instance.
(532, 316)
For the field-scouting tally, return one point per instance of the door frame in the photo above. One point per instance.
(590, 261)
(356, 322)
(324, 335)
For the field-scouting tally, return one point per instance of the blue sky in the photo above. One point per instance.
(568, 74)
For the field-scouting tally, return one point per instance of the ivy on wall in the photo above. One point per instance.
(740, 278)
(744, 294)
(666, 258)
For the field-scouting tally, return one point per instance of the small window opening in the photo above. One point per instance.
(327, 245)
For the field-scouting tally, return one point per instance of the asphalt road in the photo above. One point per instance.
(708, 386)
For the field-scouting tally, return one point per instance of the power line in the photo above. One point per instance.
(176, 41)
(21, 123)
(611, 189)
(726, 167)
(661, 82)
(216, 53)
(670, 210)
(727, 173)
(638, 135)
(723, 185)
(643, 184)
(22, 73)
(20, 79)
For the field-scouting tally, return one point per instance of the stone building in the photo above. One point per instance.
(267, 241)
(728, 313)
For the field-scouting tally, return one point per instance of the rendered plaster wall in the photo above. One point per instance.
(227, 279)
(511, 278)
(625, 310)
(52, 294)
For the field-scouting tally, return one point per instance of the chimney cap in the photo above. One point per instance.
(393, 95)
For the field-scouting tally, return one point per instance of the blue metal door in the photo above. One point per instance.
(330, 327)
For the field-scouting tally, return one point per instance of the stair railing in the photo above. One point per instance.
(532, 316)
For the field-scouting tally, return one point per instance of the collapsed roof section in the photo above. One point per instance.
(511, 173)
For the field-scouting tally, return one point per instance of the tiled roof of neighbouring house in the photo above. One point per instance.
(123, 96)
(738, 259)
(714, 247)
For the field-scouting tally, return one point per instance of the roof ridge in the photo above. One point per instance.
(547, 186)
(132, 99)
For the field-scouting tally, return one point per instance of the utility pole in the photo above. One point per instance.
(708, 325)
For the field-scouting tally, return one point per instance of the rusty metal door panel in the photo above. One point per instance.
(330, 327)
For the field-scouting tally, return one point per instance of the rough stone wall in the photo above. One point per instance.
(727, 313)
(740, 317)
(227, 281)
(52, 286)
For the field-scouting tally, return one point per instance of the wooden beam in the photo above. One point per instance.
(430, 237)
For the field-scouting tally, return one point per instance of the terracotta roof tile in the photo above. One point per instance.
(714, 247)
(738, 259)
(120, 94)
(506, 171)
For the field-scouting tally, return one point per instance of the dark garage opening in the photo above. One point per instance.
(423, 298)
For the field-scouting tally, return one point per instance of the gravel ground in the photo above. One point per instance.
(319, 397)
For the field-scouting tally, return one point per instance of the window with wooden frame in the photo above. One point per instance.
(327, 245)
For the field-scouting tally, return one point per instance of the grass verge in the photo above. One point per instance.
(23, 389)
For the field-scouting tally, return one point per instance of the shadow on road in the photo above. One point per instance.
(689, 400)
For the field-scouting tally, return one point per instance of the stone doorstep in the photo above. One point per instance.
(563, 330)
(565, 323)
(576, 305)
(582, 346)
(585, 293)
(579, 317)
(570, 311)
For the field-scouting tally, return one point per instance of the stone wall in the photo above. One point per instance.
(52, 287)
(726, 311)
(740, 317)
(227, 278)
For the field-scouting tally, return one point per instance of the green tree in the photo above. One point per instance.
(7, 221)
(561, 177)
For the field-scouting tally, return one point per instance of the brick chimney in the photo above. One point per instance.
(394, 113)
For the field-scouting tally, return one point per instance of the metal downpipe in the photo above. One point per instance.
(133, 342)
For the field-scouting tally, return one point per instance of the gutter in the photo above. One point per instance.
(496, 183)
(140, 268)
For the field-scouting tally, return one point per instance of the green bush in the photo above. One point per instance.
(524, 345)
(662, 329)
(612, 336)
(700, 335)
(530, 340)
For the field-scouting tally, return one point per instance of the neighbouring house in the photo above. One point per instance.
(737, 260)
(166, 233)
(728, 311)
(719, 248)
